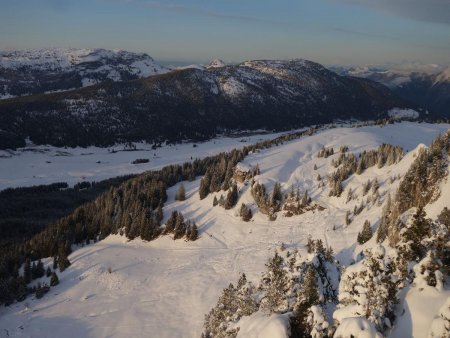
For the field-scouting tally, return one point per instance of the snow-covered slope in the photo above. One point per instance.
(35, 71)
(163, 288)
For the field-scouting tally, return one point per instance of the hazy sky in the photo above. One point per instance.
(327, 31)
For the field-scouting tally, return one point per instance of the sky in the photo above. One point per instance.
(332, 32)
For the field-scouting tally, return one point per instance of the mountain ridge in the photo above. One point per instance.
(196, 104)
(427, 86)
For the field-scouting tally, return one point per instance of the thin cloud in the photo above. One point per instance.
(361, 34)
(437, 11)
(206, 13)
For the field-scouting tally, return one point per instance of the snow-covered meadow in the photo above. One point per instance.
(164, 288)
(35, 165)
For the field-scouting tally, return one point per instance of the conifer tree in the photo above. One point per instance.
(171, 222)
(348, 220)
(385, 219)
(193, 232)
(275, 285)
(232, 197)
(310, 245)
(180, 227)
(63, 261)
(360, 167)
(181, 193)
(245, 213)
(54, 280)
(416, 233)
(444, 217)
(276, 193)
(159, 214)
(203, 190)
(27, 271)
(366, 233)
(39, 270)
(307, 296)
(234, 303)
(349, 195)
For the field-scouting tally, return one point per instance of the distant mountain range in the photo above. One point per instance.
(429, 88)
(37, 71)
(194, 103)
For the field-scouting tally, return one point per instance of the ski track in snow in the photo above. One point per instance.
(164, 288)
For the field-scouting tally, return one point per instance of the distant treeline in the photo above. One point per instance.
(26, 211)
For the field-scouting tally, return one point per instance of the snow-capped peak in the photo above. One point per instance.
(65, 59)
(216, 63)
(44, 70)
(444, 76)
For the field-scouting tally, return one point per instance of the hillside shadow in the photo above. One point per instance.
(403, 324)
(44, 326)
(345, 255)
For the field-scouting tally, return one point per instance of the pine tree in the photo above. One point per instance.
(360, 168)
(246, 213)
(310, 245)
(233, 304)
(203, 190)
(38, 270)
(444, 217)
(193, 236)
(349, 195)
(27, 271)
(63, 261)
(246, 303)
(385, 219)
(171, 222)
(307, 296)
(232, 197)
(215, 201)
(48, 272)
(54, 280)
(366, 187)
(276, 193)
(348, 220)
(416, 233)
(180, 227)
(275, 285)
(181, 193)
(305, 199)
(366, 233)
(159, 215)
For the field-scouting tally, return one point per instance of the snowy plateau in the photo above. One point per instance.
(164, 288)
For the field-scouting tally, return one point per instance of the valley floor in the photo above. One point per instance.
(35, 165)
